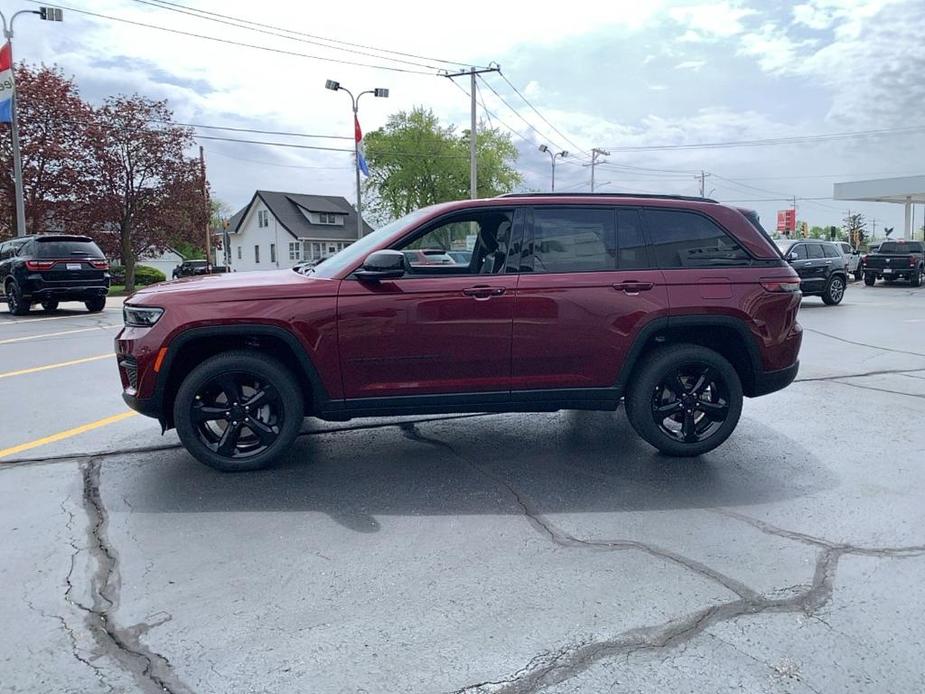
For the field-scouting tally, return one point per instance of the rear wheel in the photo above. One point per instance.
(834, 290)
(50, 305)
(238, 411)
(869, 280)
(686, 400)
(17, 305)
(96, 304)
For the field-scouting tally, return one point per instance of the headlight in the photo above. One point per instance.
(141, 316)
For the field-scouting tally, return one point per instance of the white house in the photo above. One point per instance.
(165, 261)
(279, 230)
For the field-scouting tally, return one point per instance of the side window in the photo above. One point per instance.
(24, 249)
(685, 239)
(800, 250)
(814, 250)
(573, 239)
(486, 235)
(4, 251)
(631, 242)
(831, 251)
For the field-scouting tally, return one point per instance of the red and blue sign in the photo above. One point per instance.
(6, 83)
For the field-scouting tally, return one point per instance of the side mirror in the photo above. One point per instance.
(382, 265)
(792, 256)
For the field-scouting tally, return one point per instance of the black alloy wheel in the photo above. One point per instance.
(834, 290)
(14, 301)
(691, 403)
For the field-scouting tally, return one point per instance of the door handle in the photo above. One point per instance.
(484, 292)
(632, 287)
(828, 262)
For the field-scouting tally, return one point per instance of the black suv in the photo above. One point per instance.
(188, 268)
(50, 268)
(821, 265)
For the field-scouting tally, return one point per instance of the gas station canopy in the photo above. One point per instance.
(906, 190)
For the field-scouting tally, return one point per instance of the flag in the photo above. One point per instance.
(6, 83)
(361, 160)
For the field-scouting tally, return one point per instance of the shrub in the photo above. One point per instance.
(145, 275)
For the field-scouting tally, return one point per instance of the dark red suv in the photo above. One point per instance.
(676, 306)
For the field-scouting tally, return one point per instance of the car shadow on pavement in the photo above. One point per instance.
(568, 462)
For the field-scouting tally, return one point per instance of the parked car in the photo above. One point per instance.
(460, 257)
(822, 268)
(50, 268)
(677, 306)
(896, 260)
(429, 256)
(188, 268)
(853, 256)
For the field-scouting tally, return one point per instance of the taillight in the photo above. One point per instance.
(781, 285)
(40, 264)
(864, 260)
(100, 264)
(911, 261)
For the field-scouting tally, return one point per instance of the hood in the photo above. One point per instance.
(234, 286)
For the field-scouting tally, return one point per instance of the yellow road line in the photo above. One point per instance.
(12, 450)
(63, 332)
(34, 369)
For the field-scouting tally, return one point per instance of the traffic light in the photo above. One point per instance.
(804, 230)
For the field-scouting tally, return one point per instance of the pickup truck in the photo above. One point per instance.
(895, 260)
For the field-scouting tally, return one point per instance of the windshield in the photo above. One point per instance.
(900, 247)
(358, 250)
(63, 248)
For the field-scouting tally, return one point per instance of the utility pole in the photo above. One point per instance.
(49, 14)
(205, 201)
(703, 182)
(595, 153)
(473, 124)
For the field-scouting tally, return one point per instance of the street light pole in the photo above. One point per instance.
(49, 14)
(355, 102)
(552, 157)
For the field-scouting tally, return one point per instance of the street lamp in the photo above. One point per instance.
(334, 86)
(552, 158)
(49, 14)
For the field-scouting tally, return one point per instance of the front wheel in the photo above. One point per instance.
(238, 411)
(50, 305)
(686, 400)
(916, 278)
(834, 290)
(858, 274)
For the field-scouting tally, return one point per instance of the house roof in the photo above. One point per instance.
(288, 209)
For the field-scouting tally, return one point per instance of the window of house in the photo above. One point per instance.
(263, 218)
(272, 252)
(327, 218)
(256, 254)
(239, 253)
(682, 239)
(573, 239)
(295, 250)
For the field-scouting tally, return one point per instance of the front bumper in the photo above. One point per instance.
(771, 381)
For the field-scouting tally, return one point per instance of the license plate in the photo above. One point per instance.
(887, 270)
(74, 266)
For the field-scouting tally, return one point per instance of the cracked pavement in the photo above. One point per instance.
(496, 553)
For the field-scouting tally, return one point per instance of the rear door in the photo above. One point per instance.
(817, 267)
(586, 287)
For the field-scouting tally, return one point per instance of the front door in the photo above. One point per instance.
(586, 291)
(442, 328)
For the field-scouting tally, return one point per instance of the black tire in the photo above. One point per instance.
(870, 280)
(14, 301)
(834, 290)
(858, 273)
(96, 304)
(225, 377)
(916, 279)
(662, 420)
(50, 305)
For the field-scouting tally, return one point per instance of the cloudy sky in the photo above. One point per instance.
(616, 74)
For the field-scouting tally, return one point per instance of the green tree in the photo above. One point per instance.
(414, 161)
(855, 227)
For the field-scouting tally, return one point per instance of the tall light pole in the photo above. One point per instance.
(333, 85)
(595, 153)
(552, 157)
(49, 14)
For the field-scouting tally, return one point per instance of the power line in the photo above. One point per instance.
(313, 36)
(517, 113)
(495, 116)
(542, 117)
(274, 31)
(793, 140)
(292, 145)
(216, 152)
(256, 132)
(242, 44)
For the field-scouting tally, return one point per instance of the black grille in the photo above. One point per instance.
(130, 366)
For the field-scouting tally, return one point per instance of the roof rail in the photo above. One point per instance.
(608, 195)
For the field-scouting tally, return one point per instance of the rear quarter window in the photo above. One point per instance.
(831, 251)
(681, 239)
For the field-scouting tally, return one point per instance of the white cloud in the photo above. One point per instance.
(690, 65)
(711, 21)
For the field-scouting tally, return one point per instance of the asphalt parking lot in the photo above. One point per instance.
(486, 553)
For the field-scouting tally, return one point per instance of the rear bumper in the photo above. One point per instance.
(770, 381)
(45, 291)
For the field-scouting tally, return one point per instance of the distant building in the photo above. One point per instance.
(279, 230)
